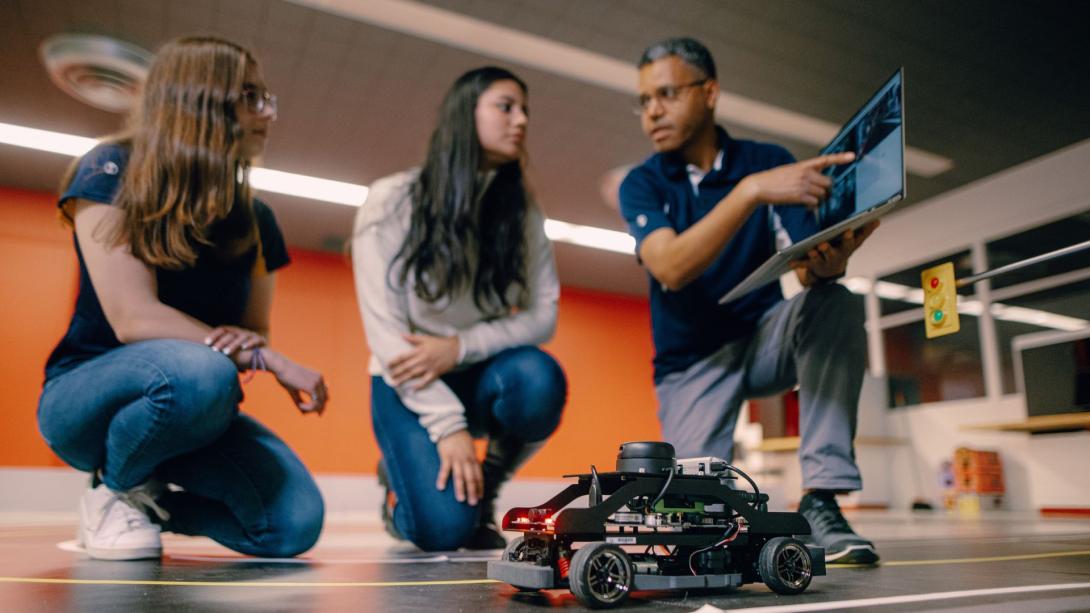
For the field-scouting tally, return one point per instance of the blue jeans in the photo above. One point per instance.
(518, 392)
(169, 409)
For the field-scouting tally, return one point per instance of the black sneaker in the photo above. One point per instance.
(389, 501)
(830, 530)
(487, 535)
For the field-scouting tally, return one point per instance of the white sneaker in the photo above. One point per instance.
(113, 526)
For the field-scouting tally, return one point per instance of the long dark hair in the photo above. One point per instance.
(461, 239)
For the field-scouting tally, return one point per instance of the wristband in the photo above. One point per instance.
(257, 362)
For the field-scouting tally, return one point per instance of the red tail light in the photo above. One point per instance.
(516, 519)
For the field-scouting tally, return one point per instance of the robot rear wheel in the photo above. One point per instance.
(784, 565)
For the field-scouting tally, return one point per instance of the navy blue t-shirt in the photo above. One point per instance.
(690, 324)
(212, 290)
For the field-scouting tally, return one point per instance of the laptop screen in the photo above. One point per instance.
(877, 175)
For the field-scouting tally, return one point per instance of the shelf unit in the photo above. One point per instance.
(791, 443)
(1060, 422)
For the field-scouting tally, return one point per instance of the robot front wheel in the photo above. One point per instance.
(601, 575)
(784, 565)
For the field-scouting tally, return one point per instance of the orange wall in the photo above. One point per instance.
(603, 342)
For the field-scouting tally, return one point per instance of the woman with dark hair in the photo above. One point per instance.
(457, 284)
(177, 266)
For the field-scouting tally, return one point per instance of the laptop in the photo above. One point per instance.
(862, 191)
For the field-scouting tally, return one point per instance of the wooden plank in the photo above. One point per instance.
(791, 443)
(1038, 423)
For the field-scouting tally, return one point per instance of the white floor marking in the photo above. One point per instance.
(456, 558)
(892, 600)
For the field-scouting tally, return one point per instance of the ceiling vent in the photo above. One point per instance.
(98, 70)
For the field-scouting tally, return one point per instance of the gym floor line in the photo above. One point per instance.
(271, 584)
(1016, 561)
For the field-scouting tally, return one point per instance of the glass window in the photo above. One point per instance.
(1061, 308)
(1005, 332)
(901, 291)
(1072, 300)
(932, 370)
(889, 306)
(1039, 240)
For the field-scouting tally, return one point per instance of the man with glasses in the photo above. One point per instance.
(706, 210)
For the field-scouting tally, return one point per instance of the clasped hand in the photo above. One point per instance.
(305, 386)
(430, 358)
(229, 339)
(299, 380)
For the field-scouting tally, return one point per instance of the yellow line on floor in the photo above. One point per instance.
(1030, 556)
(246, 583)
(1027, 556)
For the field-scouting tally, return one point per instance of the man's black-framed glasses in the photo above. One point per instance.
(664, 94)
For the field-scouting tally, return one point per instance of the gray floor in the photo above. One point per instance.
(931, 561)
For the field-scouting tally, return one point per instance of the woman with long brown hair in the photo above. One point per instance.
(457, 285)
(177, 268)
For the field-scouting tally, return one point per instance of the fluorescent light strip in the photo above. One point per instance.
(486, 38)
(969, 306)
(314, 188)
(44, 140)
(1037, 318)
(589, 236)
(308, 187)
(261, 178)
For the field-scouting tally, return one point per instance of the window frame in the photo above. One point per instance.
(991, 361)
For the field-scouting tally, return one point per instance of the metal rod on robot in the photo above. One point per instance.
(1037, 259)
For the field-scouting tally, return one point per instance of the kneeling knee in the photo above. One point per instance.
(203, 384)
(538, 388)
(443, 533)
(295, 534)
(211, 377)
(836, 301)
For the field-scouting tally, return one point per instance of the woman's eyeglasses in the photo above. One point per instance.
(259, 101)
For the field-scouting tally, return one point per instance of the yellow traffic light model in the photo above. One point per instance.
(940, 289)
(940, 300)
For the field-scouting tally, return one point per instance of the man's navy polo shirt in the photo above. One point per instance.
(690, 324)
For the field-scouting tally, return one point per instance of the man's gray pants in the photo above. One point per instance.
(815, 340)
